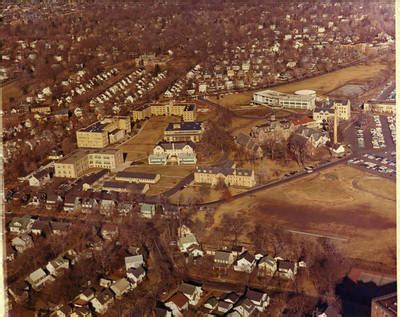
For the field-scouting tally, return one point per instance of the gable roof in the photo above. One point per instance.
(179, 300)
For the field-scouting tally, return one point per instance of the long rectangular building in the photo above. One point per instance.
(185, 110)
(228, 173)
(283, 100)
(79, 162)
(183, 131)
(135, 177)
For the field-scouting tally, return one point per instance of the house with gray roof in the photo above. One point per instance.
(192, 292)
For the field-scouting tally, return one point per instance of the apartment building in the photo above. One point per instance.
(304, 99)
(179, 152)
(102, 133)
(184, 132)
(228, 173)
(184, 110)
(79, 162)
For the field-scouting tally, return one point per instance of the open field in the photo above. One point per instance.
(193, 191)
(328, 204)
(141, 145)
(326, 83)
(170, 175)
(322, 84)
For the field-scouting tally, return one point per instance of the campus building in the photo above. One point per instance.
(79, 162)
(179, 152)
(135, 177)
(183, 132)
(326, 111)
(304, 99)
(384, 106)
(184, 110)
(102, 133)
(228, 173)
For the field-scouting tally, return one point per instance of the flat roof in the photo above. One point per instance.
(127, 174)
(184, 126)
(277, 94)
(95, 127)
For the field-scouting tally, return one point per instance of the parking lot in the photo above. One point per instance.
(382, 164)
(372, 133)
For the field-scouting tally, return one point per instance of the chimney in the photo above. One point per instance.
(335, 123)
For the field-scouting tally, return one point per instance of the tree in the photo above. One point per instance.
(233, 225)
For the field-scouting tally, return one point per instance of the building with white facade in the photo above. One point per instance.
(304, 99)
(180, 152)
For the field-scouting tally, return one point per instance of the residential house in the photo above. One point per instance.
(287, 269)
(259, 299)
(39, 178)
(72, 203)
(21, 224)
(125, 208)
(211, 303)
(63, 311)
(231, 297)
(84, 298)
(136, 275)
(19, 290)
(267, 266)
(109, 231)
(56, 266)
(134, 261)
(38, 278)
(120, 287)
(59, 228)
(178, 303)
(245, 307)
(40, 227)
(245, 263)
(147, 210)
(52, 201)
(89, 205)
(81, 312)
(21, 243)
(102, 301)
(224, 257)
(107, 206)
(192, 292)
(223, 307)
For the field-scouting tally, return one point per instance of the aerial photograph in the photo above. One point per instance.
(169, 158)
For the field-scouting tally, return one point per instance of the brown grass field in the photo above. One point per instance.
(328, 203)
(142, 144)
(321, 84)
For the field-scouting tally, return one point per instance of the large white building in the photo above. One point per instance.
(181, 152)
(302, 99)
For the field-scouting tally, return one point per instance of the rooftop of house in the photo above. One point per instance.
(179, 300)
(254, 295)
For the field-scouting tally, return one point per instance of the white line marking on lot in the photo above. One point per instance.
(319, 235)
